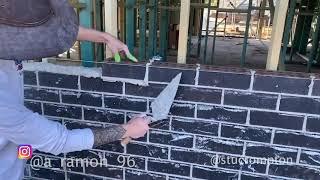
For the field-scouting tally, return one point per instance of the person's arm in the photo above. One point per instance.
(21, 126)
(113, 43)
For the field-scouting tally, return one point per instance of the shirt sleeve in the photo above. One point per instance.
(22, 126)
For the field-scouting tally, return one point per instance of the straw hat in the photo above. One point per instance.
(31, 29)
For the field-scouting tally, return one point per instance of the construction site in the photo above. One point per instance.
(247, 106)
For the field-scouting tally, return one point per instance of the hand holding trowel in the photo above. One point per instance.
(161, 105)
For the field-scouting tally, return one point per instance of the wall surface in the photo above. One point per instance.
(221, 119)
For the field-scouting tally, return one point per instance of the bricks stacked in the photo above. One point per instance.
(218, 112)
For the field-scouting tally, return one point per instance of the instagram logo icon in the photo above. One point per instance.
(24, 151)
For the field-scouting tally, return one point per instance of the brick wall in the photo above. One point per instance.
(220, 117)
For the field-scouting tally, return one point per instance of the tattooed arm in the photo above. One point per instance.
(106, 135)
(135, 128)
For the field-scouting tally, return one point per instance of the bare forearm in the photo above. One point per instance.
(106, 135)
(91, 35)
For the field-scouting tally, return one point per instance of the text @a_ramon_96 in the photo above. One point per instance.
(38, 161)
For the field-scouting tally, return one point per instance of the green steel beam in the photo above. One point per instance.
(272, 8)
(142, 30)
(303, 29)
(164, 24)
(99, 50)
(246, 34)
(152, 39)
(200, 34)
(315, 44)
(85, 20)
(286, 36)
(130, 27)
(215, 33)
(207, 33)
(191, 30)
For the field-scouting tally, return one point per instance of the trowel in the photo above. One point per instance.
(162, 104)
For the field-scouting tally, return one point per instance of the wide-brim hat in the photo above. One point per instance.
(32, 29)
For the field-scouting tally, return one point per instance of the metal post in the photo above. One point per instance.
(152, 28)
(142, 29)
(207, 33)
(286, 35)
(245, 41)
(164, 23)
(87, 48)
(215, 33)
(130, 20)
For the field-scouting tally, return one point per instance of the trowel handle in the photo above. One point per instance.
(125, 141)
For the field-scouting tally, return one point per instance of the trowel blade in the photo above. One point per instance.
(162, 104)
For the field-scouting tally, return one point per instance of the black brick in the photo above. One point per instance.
(33, 106)
(130, 71)
(255, 100)
(279, 120)
(169, 167)
(316, 88)
(88, 99)
(310, 157)
(47, 173)
(222, 114)
(90, 154)
(197, 157)
(246, 133)
(211, 173)
(55, 162)
(199, 95)
(177, 178)
(313, 124)
(241, 163)
(166, 75)
(104, 116)
(125, 160)
(41, 94)
(104, 171)
(195, 126)
(29, 77)
(73, 176)
(141, 175)
(125, 103)
(300, 104)
(173, 139)
(253, 177)
(80, 124)
(114, 146)
(296, 139)
(152, 90)
(182, 109)
(272, 152)
(62, 111)
(281, 84)
(292, 171)
(58, 80)
(219, 145)
(148, 150)
(163, 124)
(97, 84)
(225, 80)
